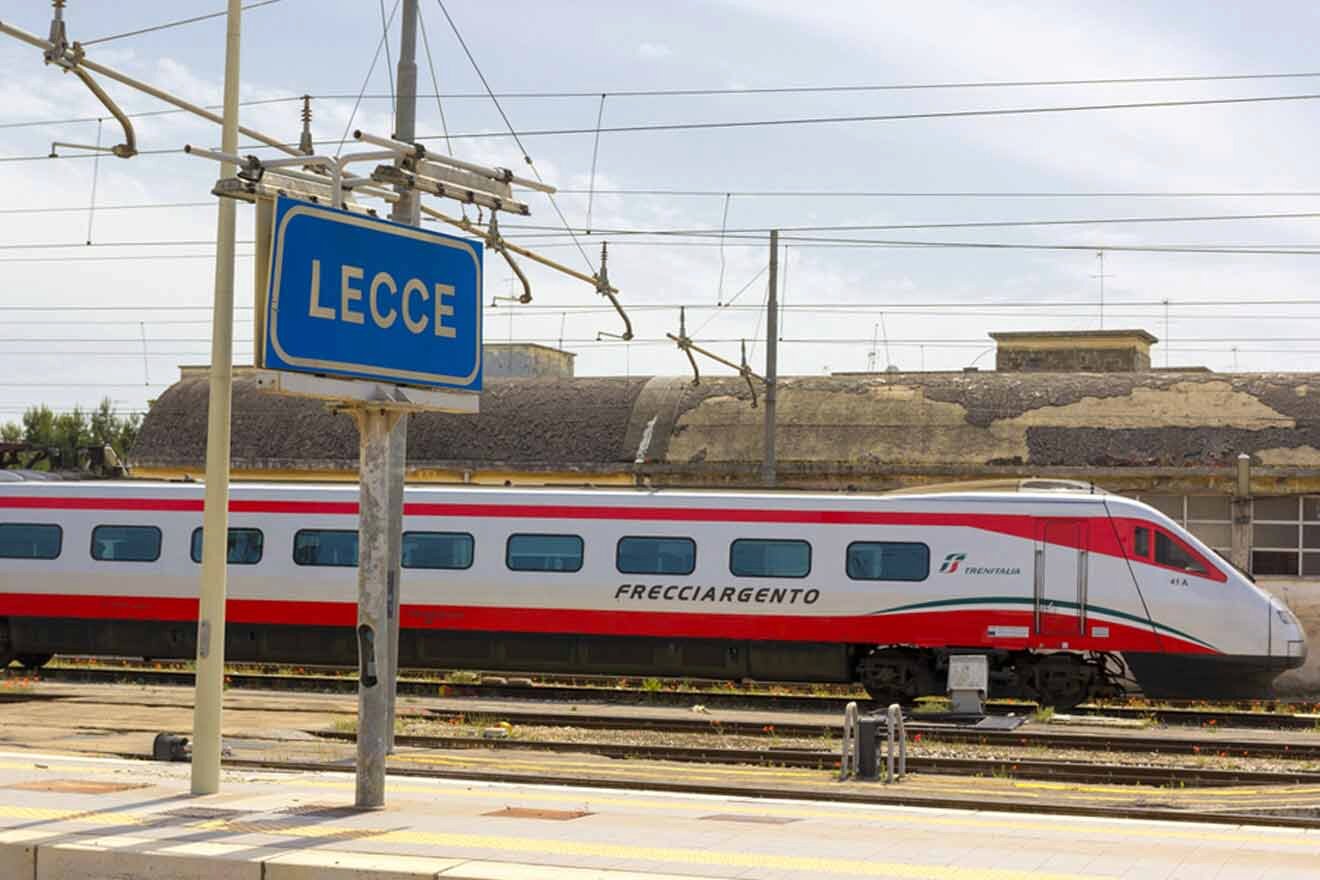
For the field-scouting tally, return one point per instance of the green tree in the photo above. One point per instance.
(65, 433)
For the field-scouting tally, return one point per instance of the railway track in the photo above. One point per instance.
(1034, 738)
(890, 795)
(820, 759)
(829, 705)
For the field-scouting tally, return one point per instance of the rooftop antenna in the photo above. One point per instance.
(884, 334)
(1101, 276)
(1166, 334)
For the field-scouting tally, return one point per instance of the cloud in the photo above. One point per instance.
(654, 51)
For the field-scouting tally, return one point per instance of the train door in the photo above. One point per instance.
(1061, 563)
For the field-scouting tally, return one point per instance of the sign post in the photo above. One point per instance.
(381, 319)
(360, 298)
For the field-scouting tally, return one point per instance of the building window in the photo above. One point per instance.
(245, 546)
(333, 547)
(437, 550)
(754, 557)
(126, 543)
(656, 556)
(1285, 536)
(543, 553)
(888, 561)
(30, 541)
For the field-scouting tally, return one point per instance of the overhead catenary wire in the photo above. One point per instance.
(384, 38)
(513, 132)
(595, 154)
(435, 82)
(724, 232)
(888, 305)
(721, 306)
(695, 92)
(389, 65)
(814, 340)
(887, 117)
(172, 24)
(712, 125)
(950, 194)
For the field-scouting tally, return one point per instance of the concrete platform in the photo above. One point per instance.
(122, 720)
(77, 818)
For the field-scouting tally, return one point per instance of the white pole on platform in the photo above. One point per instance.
(209, 695)
(405, 211)
(374, 425)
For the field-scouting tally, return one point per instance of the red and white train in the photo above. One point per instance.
(1054, 586)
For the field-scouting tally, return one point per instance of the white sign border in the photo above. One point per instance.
(361, 371)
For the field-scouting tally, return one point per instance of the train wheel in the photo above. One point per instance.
(897, 675)
(34, 661)
(1061, 681)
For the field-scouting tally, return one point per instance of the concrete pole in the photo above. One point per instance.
(374, 426)
(406, 210)
(1241, 527)
(207, 702)
(771, 360)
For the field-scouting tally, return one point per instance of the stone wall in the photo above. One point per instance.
(1071, 360)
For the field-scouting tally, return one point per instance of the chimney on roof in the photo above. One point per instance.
(1073, 351)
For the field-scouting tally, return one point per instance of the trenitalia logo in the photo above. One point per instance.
(954, 560)
(951, 562)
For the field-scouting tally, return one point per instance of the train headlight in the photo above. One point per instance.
(1296, 649)
(1285, 616)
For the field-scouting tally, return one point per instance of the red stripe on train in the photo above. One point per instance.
(964, 628)
(1102, 538)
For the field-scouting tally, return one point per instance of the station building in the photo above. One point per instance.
(1067, 405)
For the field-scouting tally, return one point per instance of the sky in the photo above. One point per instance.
(117, 317)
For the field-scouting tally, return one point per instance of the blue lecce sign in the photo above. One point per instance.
(351, 295)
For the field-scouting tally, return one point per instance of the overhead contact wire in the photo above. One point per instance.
(512, 131)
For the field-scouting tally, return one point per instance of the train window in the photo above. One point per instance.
(1169, 552)
(437, 550)
(755, 557)
(656, 556)
(30, 541)
(126, 543)
(1141, 542)
(245, 546)
(335, 547)
(543, 553)
(888, 561)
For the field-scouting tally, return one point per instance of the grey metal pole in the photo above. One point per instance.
(207, 702)
(771, 361)
(405, 210)
(374, 424)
